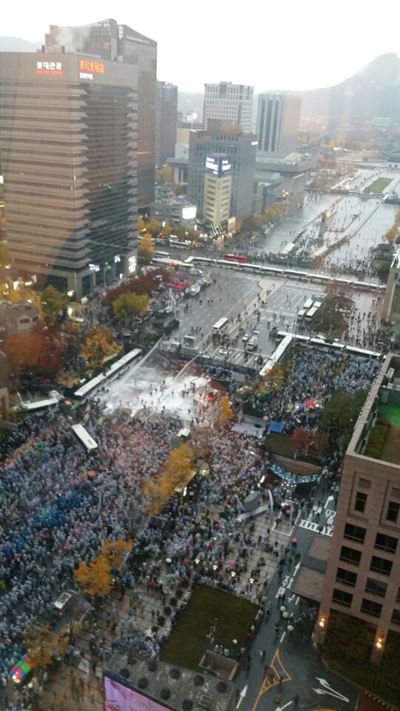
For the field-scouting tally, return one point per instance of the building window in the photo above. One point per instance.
(365, 483)
(347, 577)
(377, 587)
(354, 533)
(371, 607)
(350, 555)
(398, 596)
(393, 510)
(381, 565)
(343, 598)
(360, 502)
(386, 543)
(396, 617)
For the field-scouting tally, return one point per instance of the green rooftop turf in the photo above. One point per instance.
(187, 642)
(391, 413)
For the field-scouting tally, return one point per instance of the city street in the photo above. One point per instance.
(364, 221)
(285, 671)
(236, 296)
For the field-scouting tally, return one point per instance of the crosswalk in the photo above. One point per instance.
(324, 530)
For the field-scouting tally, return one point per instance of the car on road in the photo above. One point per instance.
(223, 351)
(63, 602)
(252, 343)
(194, 290)
(245, 337)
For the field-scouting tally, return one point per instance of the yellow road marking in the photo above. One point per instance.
(278, 673)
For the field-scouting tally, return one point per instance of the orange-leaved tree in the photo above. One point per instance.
(94, 578)
(97, 346)
(225, 410)
(145, 248)
(176, 473)
(43, 643)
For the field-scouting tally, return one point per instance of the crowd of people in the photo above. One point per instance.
(59, 504)
(313, 376)
(203, 538)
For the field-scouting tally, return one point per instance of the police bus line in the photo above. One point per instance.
(283, 271)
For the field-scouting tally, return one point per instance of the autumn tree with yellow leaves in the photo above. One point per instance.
(176, 473)
(98, 345)
(145, 248)
(94, 578)
(273, 380)
(128, 304)
(43, 643)
(225, 410)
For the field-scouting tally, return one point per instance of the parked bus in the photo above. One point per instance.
(220, 326)
(239, 258)
(160, 253)
(84, 437)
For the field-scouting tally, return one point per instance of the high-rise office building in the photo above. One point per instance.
(113, 42)
(278, 119)
(166, 121)
(229, 102)
(69, 151)
(239, 149)
(362, 579)
(217, 190)
(391, 303)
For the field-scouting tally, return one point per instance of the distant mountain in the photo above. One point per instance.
(189, 102)
(17, 44)
(373, 91)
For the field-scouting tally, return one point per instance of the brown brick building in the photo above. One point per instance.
(363, 573)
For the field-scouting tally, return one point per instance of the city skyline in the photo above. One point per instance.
(299, 57)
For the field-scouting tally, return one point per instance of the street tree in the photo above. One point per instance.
(225, 410)
(39, 351)
(153, 226)
(145, 248)
(164, 174)
(53, 302)
(176, 473)
(391, 233)
(43, 644)
(94, 578)
(97, 346)
(129, 304)
(273, 381)
(301, 440)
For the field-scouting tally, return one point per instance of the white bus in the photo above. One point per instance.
(221, 325)
(84, 437)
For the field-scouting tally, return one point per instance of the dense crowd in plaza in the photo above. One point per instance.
(58, 505)
(315, 375)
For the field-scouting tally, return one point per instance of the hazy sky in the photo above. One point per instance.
(297, 44)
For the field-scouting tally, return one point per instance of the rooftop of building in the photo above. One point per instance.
(178, 687)
(396, 259)
(377, 431)
(294, 159)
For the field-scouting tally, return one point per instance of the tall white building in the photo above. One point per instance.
(217, 190)
(229, 102)
(278, 121)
